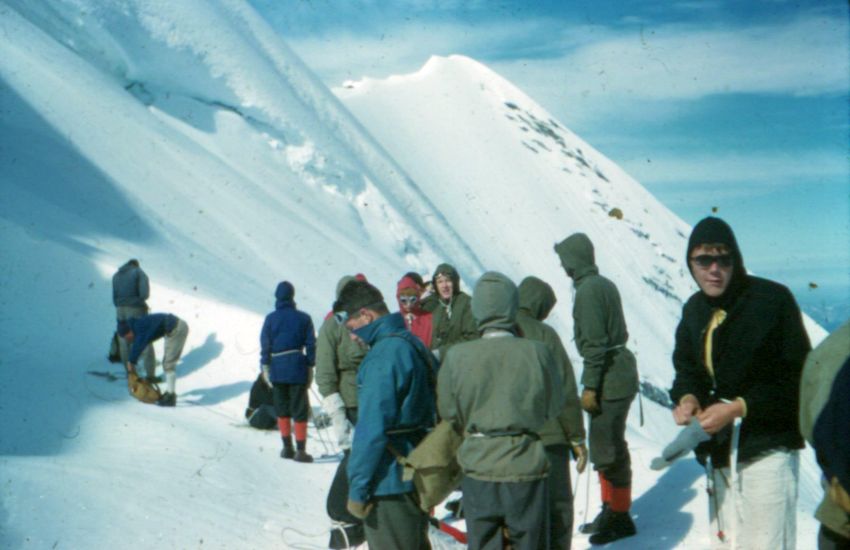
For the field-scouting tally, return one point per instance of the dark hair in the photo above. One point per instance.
(359, 294)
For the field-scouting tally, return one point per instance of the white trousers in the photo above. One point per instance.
(174, 342)
(760, 511)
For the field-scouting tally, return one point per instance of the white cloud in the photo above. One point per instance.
(404, 48)
(754, 169)
(804, 56)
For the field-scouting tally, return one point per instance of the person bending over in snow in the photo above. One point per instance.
(143, 331)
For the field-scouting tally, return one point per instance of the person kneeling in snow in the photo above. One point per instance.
(260, 412)
(143, 331)
(287, 355)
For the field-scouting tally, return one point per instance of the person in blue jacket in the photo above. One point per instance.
(143, 331)
(395, 392)
(287, 355)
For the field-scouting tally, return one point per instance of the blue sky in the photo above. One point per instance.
(739, 106)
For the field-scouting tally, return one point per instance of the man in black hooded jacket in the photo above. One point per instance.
(740, 347)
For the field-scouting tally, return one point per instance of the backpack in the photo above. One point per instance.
(141, 389)
(262, 418)
(433, 466)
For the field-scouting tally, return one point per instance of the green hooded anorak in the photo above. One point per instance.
(822, 365)
(536, 300)
(452, 320)
(499, 391)
(338, 357)
(599, 324)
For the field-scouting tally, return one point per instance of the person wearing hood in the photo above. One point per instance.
(739, 352)
(825, 423)
(499, 391)
(452, 320)
(609, 381)
(130, 292)
(142, 332)
(338, 358)
(287, 353)
(565, 432)
(395, 392)
(416, 319)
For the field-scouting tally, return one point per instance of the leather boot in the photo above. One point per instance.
(615, 526)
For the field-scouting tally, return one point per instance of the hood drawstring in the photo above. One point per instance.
(447, 307)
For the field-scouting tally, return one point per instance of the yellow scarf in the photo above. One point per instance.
(717, 318)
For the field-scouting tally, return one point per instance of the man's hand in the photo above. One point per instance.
(580, 454)
(686, 409)
(716, 417)
(359, 509)
(131, 368)
(589, 402)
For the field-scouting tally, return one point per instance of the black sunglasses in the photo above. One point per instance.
(705, 260)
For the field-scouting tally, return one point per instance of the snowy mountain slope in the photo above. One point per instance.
(188, 135)
(231, 86)
(513, 181)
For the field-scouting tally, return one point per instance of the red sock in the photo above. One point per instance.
(605, 489)
(300, 431)
(621, 498)
(285, 426)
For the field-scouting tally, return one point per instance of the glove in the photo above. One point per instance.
(687, 440)
(589, 402)
(342, 428)
(580, 454)
(359, 509)
(266, 379)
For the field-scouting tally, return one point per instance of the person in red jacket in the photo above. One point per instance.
(416, 319)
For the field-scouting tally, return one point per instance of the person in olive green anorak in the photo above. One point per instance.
(499, 391)
(564, 433)
(452, 319)
(338, 357)
(609, 380)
